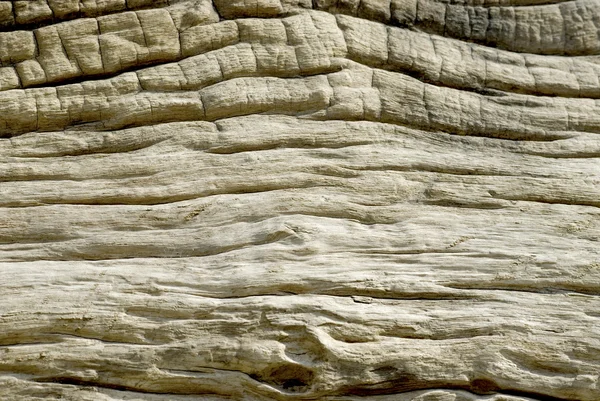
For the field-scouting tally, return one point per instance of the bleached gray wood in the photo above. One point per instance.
(373, 200)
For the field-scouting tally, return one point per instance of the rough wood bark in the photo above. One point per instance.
(387, 200)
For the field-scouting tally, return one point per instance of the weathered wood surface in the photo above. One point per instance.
(387, 200)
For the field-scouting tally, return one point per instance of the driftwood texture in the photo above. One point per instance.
(376, 200)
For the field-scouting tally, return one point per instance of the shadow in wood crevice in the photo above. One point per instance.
(289, 377)
(91, 383)
(406, 382)
(400, 382)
